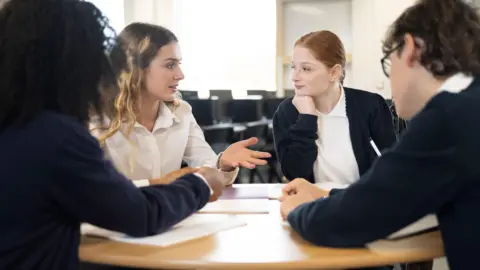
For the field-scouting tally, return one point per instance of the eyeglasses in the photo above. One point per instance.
(386, 63)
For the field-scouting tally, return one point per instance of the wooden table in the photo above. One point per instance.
(266, 242)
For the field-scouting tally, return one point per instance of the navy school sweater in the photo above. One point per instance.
(434, 168)
(53, 176)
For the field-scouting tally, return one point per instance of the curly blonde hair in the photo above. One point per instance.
(136, 46)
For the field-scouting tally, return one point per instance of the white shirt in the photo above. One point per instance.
(336, 165)
(176, 136)
(456, 83)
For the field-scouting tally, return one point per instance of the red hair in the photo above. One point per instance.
(326, 47)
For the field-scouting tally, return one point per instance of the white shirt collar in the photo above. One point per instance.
(166, 118)
(340, 110)
(456, 83)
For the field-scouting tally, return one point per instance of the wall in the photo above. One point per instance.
(113, 10)
(233, 49)
(150, 11)
(369, 20)
(301, 17)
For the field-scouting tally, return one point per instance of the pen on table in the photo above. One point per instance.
(372, 143)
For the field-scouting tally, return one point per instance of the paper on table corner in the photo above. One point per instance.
(191, 228)
(426, 222)
(392, 243)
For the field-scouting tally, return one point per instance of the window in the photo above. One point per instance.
(226, 44)
(114, 11)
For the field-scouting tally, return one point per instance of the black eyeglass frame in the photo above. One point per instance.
(385, 59)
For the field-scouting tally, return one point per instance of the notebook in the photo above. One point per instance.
(247, 206)
(194, 227)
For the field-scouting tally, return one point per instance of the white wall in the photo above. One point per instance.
(114, 10)
(370, 21)
(150, 11)
(302, 17)
(233, 49)
(240, 40)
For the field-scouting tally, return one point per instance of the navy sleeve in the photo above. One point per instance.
(295, 144)
(89, 189)
(381, 124)
(413, 179)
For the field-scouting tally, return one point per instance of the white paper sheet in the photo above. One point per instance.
(425, 223)
(244, 206)
(194, 227)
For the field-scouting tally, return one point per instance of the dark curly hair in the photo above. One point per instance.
(449, 31)
(52, 58)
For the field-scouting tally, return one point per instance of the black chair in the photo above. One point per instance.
(221, 94)
(270, 106)
(289, 92)
(245, 110)
(399, 124)
(271, 94)
(203, 111)
(218, 136)
(262, 93)
(188, 94)
(256, 129)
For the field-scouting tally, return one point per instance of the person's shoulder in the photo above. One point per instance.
(181, 108)
(458, 107)
(286, 106)
(59, 121)
(57, 128)
(363, 95)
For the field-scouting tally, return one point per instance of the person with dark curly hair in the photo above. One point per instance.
(432, 56)
(53, 175)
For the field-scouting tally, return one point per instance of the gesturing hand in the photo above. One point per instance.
(238, 154)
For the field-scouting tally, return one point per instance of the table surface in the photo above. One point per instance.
(266, 242)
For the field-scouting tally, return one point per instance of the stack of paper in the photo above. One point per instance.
(246, 206)
(194, 227)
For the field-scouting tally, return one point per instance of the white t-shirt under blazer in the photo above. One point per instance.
(175, 137)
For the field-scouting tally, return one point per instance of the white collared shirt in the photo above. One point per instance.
(456, 83)
(336, 165)
(175, 137)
